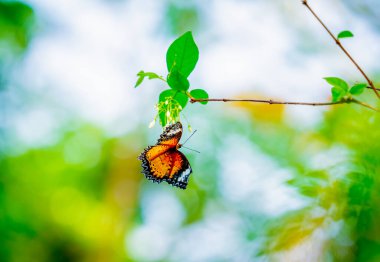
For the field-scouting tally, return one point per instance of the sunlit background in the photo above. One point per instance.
(272, 183)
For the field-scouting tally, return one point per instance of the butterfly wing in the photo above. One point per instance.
(180, 170)
(171, 135)
(156, 162)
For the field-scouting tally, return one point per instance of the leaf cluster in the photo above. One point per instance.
(342, 91)
(181, 59)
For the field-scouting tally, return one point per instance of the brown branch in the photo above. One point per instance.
(273, 102)
(270, 101)
(305, 3)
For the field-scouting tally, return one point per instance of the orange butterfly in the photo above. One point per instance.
(163, 161)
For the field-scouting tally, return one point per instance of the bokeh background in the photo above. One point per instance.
(271, 183)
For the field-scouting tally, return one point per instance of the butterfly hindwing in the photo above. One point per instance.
(180, 170)
(163, 162)
(161, 166)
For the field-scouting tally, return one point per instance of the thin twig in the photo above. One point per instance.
(364, 104)
(378, 89)
(305, 3)
(270, 101)
(273, 102)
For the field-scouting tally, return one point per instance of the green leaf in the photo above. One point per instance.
(345, 34)
(199, 94)
(143, 74)
(151, 75)
(337, 82)
(181, 98)
(358, 89)
(178, 96)
(139, 81)
(339, 88)
(177, 81)
(166, 94)
(170, 94)
(337, 94)
(182, 55)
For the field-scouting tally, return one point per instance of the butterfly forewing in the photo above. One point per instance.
(155, 151)
(171, 135)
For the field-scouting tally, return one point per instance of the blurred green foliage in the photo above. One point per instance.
(368, 10)
(343, 195)
(68, 202)
(182, 16)
(17, 22)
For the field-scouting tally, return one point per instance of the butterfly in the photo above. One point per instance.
(163, 161)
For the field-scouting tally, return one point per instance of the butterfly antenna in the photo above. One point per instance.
(191, 149)
(189, 137)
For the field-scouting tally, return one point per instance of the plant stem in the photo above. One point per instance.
(378, 89)
(273, 102)
(364, 104)
(270, 101)
(305, 3)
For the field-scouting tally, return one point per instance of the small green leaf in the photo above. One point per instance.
(339, 89)
(337, 94)
(150, 76)
(337, 82)
(358, 89)
(139, 81)
(177, 81)
(182, 55)
(345, 34)
(199, 94)
(181, 98)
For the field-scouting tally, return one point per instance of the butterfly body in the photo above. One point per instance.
(164, 162)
